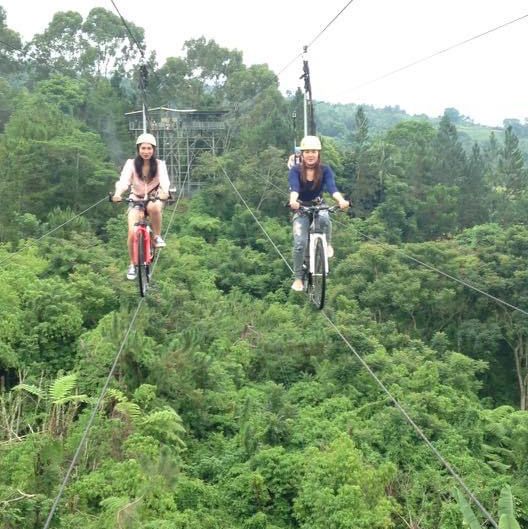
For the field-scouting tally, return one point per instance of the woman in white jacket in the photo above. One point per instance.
(146, 176)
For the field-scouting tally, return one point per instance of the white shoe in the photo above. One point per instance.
(159, 242)
(297, 285)
(330, 251)
(131, 273)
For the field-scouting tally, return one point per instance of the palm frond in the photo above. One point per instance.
(507, 515)
(469, 516)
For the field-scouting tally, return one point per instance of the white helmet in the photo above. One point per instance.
(310, 143)
(146, 138)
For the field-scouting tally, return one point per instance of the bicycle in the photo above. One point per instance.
(143, 247)
(315, 266)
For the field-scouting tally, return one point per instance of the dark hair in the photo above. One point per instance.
(318, 173)
(153, 165)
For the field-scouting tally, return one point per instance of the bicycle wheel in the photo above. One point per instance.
(142, 268)
(319, 276)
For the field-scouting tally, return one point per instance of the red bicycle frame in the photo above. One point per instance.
(142, 227)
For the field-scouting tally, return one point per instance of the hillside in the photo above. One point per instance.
(338, 120)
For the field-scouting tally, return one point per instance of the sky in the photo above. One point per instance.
(485, 79)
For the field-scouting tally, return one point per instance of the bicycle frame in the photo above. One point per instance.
(313, 237)
(316, 234)
(142, 226)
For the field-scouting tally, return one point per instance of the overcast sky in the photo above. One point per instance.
(485, 79)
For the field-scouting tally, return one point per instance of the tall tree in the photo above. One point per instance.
(210, 62)
(10, 47)
(449, 157)
(109, 47)
(474, 193)
(511, 170)
(60, 46)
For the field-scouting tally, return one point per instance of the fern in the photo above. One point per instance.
(61, 388)
(116, 394)
(129, 409)
(72, 398)
(31, 389)
(114, 503)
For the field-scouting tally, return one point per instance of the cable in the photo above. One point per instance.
(299, 55)
(436, 53)
(329, 23)
(445, 274)
(105, 388)
(12, 47)
(396, 403)
(430, 267)
(416, 428)
(141, 51)
(27, 245)
(256, 220)
(91, 419)
(169, 224)
(143, 67)
(314, 39)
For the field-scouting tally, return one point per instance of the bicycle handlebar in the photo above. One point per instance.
(141, 201)
(315, 207)
(311, 209)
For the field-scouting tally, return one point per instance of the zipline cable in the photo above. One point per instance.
(441, 272)
(248, 101)
(132, 36)
(28, 244)
(445, 50)
(329, 23)
(256, 220)
(105, 386)
(426, 265)
(416, 428)
(144, 67)
(397, 404)
(314, 39)
(12, 47)
(171, 219)
(116, 358)
(91, 419)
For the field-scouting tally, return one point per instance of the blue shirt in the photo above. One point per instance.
(306, 193)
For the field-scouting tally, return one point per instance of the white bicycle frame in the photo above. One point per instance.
(314, 237)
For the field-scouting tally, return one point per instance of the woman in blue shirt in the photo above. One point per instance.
(307, 182)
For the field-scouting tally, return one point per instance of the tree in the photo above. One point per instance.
(511, 171)
(10, 47)
(60, 46)
(449, 158)
(339, 490)
(474, 193)
(176, 87)
(56, 163)
(211, 63)
(108, 45)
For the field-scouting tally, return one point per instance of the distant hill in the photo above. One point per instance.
(338, 121)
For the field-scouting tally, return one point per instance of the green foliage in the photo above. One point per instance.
(469, 516)
(233, 404)
(507, 516)
(339, 491)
